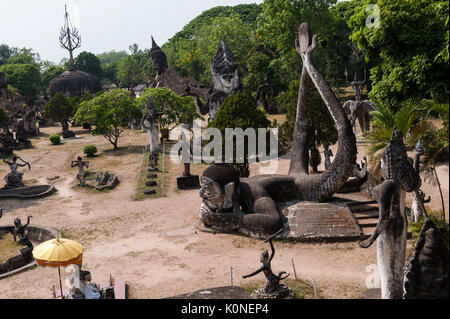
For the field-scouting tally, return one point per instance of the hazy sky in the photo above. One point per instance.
(104, 25)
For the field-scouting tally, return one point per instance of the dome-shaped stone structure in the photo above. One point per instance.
(74, 82)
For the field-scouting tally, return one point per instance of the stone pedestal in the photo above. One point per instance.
(229, 292)
(68, 134)
(188, 182)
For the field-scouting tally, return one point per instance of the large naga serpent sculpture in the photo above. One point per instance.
(224, 194)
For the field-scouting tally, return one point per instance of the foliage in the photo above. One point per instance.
(441, 225)
(55, 139)
(107, 58)
(90, 150)
(58, 108)
(410, 35)
(110, 113)
(135, 69)
(239, 110)
(177, 109)
(321, 126)
(49, 74)
(192, 57)
(24, 77)
(88, 62)
(4, 119)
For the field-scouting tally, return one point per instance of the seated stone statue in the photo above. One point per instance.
(14, 177)
(20, 232)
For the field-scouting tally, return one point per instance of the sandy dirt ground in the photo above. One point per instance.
(153, 244)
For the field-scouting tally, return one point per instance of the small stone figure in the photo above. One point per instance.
(21, 232)
(81, 176)
(14, 177)
(327, 154)
(273, 286)
(153, 161)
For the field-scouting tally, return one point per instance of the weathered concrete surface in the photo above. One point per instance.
(229, 292)
(318, 221)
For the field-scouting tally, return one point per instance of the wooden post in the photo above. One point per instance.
(231, 275)
(60, 283)
(293, 266)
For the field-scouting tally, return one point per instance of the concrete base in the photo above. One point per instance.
(68, 134)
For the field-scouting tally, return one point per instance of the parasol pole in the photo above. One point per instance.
(60, 283)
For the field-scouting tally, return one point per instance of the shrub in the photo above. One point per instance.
(90, 150)
(55, 139)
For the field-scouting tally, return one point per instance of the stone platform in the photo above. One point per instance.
(319, 221)
(229, 292)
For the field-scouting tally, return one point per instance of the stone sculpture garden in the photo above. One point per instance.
(368, 220)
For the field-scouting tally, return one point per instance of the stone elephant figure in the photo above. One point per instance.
(359, 110)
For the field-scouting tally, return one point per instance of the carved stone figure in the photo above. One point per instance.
(14, 177)
(153, 161)
(391, 230)
(81, 176)
(417, 209)
(21, 233)
(273, 285)
(187, 180)
(359, 177)
(149, 122)
(169, 78)
(327, 153)
(250, 205)
(426, 275)
(18, 124)
(359, 110)
(225, 78)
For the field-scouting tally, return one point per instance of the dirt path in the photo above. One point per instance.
(153, 244)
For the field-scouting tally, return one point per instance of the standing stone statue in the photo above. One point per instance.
(81, 176)
(225, 78)
(272, 288)
(327, 154)
(391, 230)
(14, 177)
(187, 180)
(417, 209)
(149, 122)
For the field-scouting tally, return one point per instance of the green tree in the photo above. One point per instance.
(48, 74)
(411, 33)
(239, 110)
(108, 57)
(177, 109)
(58, 108)
(5, 53)
(24, 77)
(135, 69)
(110, 113)
(321, 126)
(88, 62)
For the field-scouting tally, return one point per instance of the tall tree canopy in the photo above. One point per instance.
(88, 62)
(403, 49)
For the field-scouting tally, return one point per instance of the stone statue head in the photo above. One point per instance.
(17, 222)
(224, 70)
(420, 148)
(218, 187)
(159, 58)
(395, 164)
(264, 257)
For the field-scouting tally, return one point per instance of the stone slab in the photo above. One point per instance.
(229, 292)
(318, 221)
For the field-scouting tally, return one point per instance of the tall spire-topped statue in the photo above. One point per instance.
(73, 82)
(225, 78)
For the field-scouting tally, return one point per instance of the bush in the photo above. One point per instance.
(90, 150)
(55, 139)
